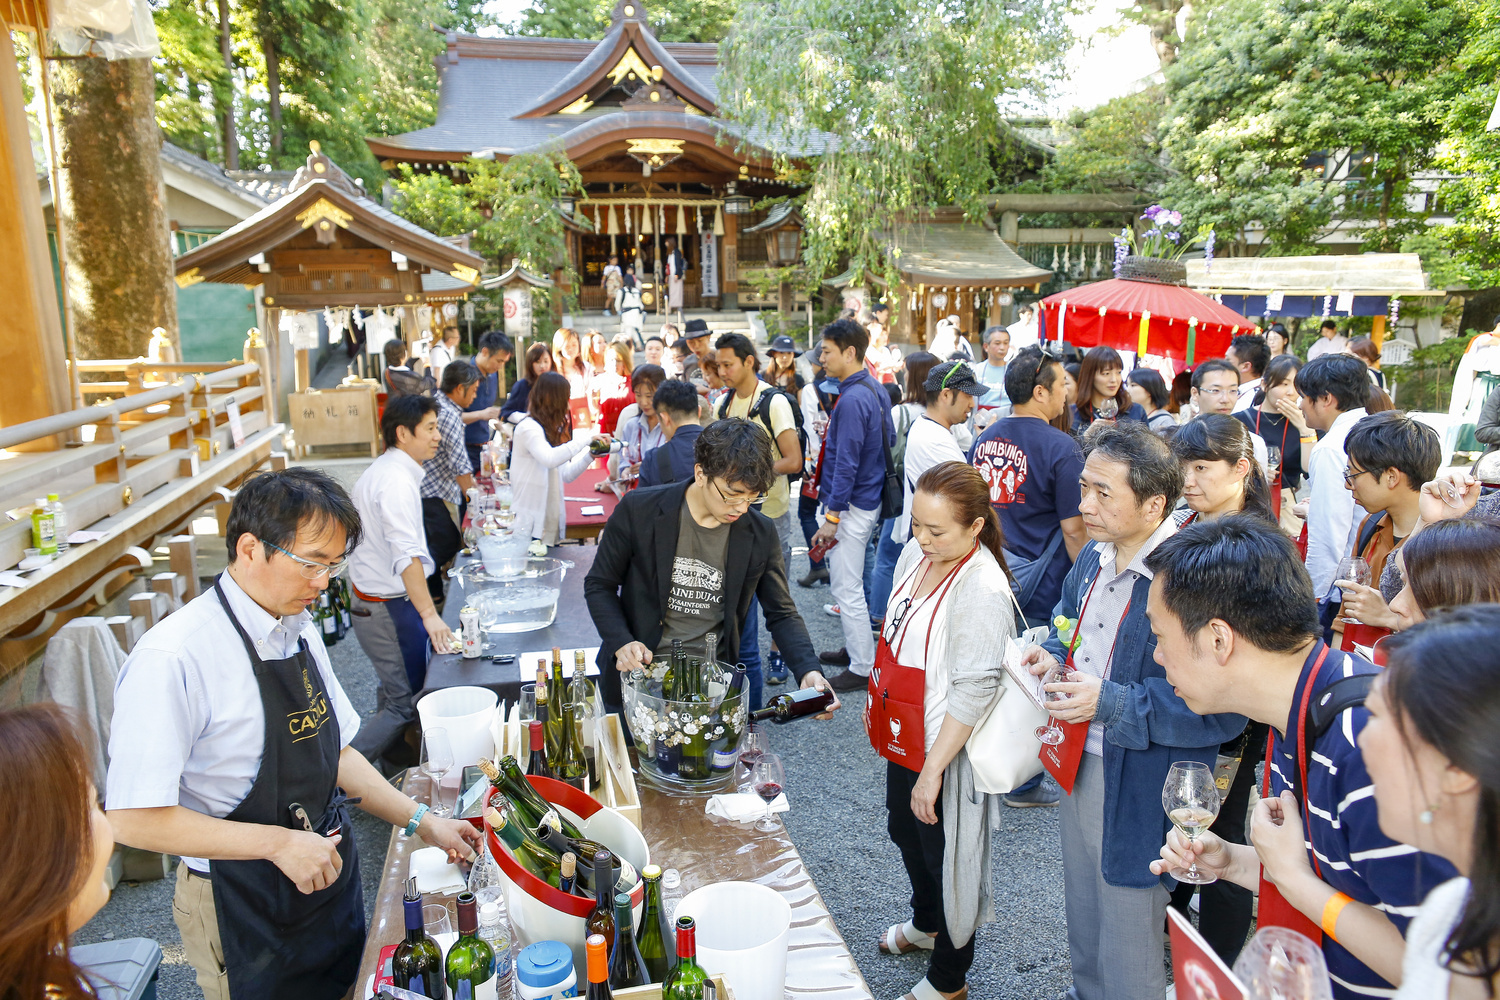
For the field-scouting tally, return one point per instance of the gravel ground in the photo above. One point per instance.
(837, 821)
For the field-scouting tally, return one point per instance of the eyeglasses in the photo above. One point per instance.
(1217, 393)
(894, 618)
(1350, 477)
(1041, 362)
(759, 498)
(311, 570)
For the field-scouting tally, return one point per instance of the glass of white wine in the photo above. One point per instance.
(1109, 408)
(1191, 800)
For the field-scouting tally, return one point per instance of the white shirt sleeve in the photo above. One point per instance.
(158, 717)
(399, 512)
(1330, 517)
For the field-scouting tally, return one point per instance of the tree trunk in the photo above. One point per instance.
(226, 108)
(111, 205)
(273, 90)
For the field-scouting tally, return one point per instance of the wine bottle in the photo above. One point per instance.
(685, 981)
(544, 711)
(675, 666)
(656, 940)
(575, 767)
(569, 872)
(557, 694)
(346, 599)
(471, 960)
(625, 876)
(598, 968)
(507, 777)
(601, 920)
(418, 963)
(537, 762)
(326, 622)
(626, 966)
(529, 853)
(794, 705)
(580, 687)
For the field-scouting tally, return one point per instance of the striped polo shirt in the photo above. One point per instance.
(1343, 829)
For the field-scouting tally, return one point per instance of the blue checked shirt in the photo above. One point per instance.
(452, 458)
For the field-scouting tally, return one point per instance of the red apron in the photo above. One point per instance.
(1273, 910)
(1063, 759)
(896, 710)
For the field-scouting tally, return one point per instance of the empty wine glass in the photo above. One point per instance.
(437, 761)
(1353, 569)
(1052, 734)
(1281, 964)
(768, 779)
(1191, 800)
(1273, 463)
(1109, 409)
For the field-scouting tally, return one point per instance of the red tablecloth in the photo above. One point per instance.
(583, 489)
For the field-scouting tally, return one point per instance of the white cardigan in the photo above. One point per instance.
(537, 472)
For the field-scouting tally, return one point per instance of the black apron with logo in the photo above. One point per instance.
(278, 942)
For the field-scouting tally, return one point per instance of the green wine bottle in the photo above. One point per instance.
(544, 711)
(685, 981)
(529, 853)
(695, 761)
(602, 919)
(533, 809)
(418, 963)
(575, 767)
(557, 695)
(656, 941)
(471, 960)
(560, 844)
(626, 966)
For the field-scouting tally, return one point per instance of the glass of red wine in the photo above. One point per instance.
(767, 778)
(753, 746)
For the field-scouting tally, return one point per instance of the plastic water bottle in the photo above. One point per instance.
(671, 893)
(494, 929)
(59, 521)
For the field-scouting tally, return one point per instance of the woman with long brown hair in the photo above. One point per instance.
(1447, 565)
(569, 359)
(1101, 390)
(544, 455)
(612, 388)
(538, 360)
(938, 668)
(56, 844)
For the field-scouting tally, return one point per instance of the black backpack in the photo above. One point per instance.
(761, 412)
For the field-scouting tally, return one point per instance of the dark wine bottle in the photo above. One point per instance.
(529, 853)
(560, 844)
(537, 762)
(794, 705)
(675, 666)
(418, 962)
(507, 777)
(602, 919)
(575, 767)
(471, 959)
(685, 981)
(657, 943)
(596, 949)
(626, 966)
(569, 872)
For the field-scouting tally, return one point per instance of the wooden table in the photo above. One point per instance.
(819, 964)
(582, 488)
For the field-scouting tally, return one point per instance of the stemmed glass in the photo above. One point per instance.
(1109, 409)
(1282, 964)
(768, 778)
(1273, 463)
(1191, 800)
(753, 746)
(1052, 734)
(437, 761)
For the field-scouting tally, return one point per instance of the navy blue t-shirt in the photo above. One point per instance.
(478, 432)
(1032, 469)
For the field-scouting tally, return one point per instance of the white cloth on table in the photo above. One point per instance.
(389, 500)
(79, 671)
(188, 727)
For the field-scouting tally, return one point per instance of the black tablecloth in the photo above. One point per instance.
(572, 628)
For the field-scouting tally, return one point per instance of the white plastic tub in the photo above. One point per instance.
(466, 713)
(742, 934)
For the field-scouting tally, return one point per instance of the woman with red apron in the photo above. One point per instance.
(937, 670)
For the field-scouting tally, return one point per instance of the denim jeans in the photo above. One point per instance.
(869, 575)
(887, 553)
(750, 653)
(807, 514)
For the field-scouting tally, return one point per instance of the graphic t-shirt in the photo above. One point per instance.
(782, 419)
(695, 601)
(1032, 469)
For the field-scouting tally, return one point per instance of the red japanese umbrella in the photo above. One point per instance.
(1147, 317)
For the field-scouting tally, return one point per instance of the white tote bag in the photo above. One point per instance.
(1003, 748)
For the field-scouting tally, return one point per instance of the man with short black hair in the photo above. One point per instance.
(1110, 823)
(448, 476)
(227, 714)
(495, 349)
(655, 348)
(683, 560)
(1249, 354)
(1333, 391)
(394, 614)
(676, 406)
(400, 380)
(1215, 389)
(853, 477)
(991, 371)
(1237, 631)
(1330, 341)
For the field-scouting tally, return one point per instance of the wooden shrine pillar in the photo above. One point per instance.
(731, 263)
(34, 337)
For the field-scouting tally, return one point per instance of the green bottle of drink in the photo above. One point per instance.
(626, 966)
(533, 809)
(418, 963)
(529, 853)
(575, 766)
(685, 981)
(557, 696)
(657, 944)
(471, 959)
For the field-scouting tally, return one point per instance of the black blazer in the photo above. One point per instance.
(627, 586)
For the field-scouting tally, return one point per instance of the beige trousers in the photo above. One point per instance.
(193, 912)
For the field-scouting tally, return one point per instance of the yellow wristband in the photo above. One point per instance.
(831, 517)
(1310, 437)
(1331, 911)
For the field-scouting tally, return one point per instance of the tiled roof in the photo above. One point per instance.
(209, 172)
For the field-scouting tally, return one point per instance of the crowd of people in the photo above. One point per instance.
(1266, 567)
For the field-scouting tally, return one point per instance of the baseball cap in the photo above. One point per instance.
(955, 375)
(784, 343)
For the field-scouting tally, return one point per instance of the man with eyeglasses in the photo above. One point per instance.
(394, 614)
(1216, 388)
(681, 561)
(230, 746)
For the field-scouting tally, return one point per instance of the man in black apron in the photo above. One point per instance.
(268, 898)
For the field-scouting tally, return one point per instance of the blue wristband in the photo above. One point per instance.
(416, 819)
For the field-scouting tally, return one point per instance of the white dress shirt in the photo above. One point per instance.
(1332, 515)
(388, 497)
(1327, 345)
(1247, 394)
(188, 726)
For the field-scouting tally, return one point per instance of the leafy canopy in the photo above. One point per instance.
(670, 20)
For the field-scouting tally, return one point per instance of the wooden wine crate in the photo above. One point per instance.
(653, 992)
(617, 787)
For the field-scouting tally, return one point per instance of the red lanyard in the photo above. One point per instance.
(1078, 630)
(941, 590)
(1307, 690)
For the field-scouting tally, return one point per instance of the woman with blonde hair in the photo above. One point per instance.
(569, 361)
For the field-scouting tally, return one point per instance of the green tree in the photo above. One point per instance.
(1114, 147)
(888, 105)
(670, 20)
(1302, 116)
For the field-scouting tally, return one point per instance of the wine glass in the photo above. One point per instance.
(1355, 570)
(1273, 462)
(526, 710)
(437, 761)
(1281, 963)
(1109, 409)
(767, 777)
(1052, 734)
(753, 746)
(1191, 800)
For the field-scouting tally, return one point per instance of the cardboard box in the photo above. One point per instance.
(653, 992)
(617, 788)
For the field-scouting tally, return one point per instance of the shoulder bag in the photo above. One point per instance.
(1003, 748)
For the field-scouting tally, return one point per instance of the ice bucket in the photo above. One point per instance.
(686, 748)
(742, 933)
(465, 712)
(513, 593)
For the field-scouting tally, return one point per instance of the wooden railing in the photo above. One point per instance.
(141, 465)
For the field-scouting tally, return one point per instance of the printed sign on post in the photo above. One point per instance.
(518, 311)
